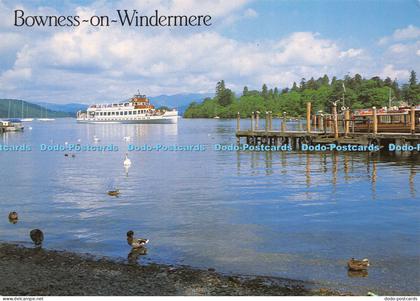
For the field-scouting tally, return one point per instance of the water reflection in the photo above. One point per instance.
(347, 167)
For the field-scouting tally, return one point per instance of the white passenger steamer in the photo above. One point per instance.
(137, 110)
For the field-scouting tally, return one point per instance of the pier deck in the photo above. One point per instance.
(322, 132)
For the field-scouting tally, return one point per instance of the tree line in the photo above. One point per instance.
(355, 92)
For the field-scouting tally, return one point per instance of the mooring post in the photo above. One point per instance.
(321, 122)
(252, 121)
(238, 122)
(257, 119)
(270, 125)
(335, 120)
(347, 122)
(300, 124)
(267, 120)
(283, 123)
(375, 121)
(413, 119)
(308, 117)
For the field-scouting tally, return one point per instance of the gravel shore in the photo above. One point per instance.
(35, 271)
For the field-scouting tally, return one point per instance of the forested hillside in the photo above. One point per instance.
(358, 92)
(12, 108)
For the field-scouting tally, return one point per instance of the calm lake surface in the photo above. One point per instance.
(286, 214)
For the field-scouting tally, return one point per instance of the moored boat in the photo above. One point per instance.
(137, 110)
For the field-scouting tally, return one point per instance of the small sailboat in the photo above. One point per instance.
(46, 118)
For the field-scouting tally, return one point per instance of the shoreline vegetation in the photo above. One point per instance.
(36, 271)
(355, 92)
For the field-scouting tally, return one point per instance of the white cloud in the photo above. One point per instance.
(89, 64)
(351, 53)
(409, 33)
(390, 71)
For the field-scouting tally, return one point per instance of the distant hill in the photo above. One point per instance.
(178, 101)
(12, 108)
(69, 107)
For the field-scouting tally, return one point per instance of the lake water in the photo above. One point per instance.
(286, 214)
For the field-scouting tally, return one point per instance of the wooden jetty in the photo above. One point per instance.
(336, 129)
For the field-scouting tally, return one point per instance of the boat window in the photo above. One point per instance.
(125, 112)
(130, 112)
(109, 113)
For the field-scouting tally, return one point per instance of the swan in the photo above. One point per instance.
(127, 138)
(96, 139)
(127, 161)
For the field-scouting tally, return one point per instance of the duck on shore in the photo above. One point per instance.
(358, 265)
(13, 217)
(136, 243)
(37, 236)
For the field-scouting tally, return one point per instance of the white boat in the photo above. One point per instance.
(137, 110)
(27, 119)
(45, 119)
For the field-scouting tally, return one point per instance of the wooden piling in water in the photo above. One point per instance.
(283, 123)
(252, 121)
(321, 123)
(375, 121)
(308, 117)
(257, 119)
(335, 120)
(347, 122)
(238, 121)
(413, 119)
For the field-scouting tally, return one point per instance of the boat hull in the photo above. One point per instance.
(169, 120)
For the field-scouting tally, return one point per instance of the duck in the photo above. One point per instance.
(358, 265)
(96, 139)
(37, 236)
(115, 192)
(13, 217)
(127, 138)
(135, 243)
(73, 155)
(127, 161)
(66, 155)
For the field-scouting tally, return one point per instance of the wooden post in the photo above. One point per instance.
(257, 119)
(321, 122)
(267, 121)
(283, 123)
(375, 121)
(252, 121)
(347, 122)
(270, 125)
(413, 120)
(335, 120)
(238, 122)
(308, 117)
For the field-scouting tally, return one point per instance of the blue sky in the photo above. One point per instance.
(250, 43)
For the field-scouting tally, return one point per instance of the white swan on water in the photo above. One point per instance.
(127, 161)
